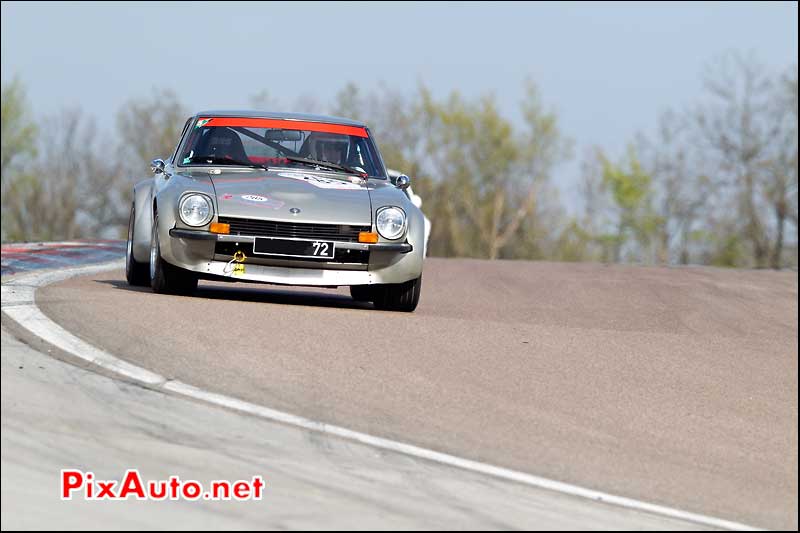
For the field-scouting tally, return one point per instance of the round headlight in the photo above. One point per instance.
(196, 210)
(391, 222)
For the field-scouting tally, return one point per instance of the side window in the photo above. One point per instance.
(362, 157)
(180, 139)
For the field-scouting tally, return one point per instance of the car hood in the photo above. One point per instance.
(295, 196)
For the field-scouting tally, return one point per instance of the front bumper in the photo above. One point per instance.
(388, 262)
(315, 277)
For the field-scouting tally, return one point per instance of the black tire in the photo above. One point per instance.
(398, 297)
(361, 293)
(166, 278)
(137, 274)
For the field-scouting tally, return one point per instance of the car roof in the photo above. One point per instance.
(281, 116)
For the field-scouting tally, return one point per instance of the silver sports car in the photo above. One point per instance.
(277, 198)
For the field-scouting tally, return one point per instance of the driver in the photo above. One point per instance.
(226, 144)
(333, 151)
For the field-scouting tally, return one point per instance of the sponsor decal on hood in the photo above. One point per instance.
(325, 183)
(255, 200)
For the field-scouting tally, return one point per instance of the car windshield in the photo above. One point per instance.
(280, 143)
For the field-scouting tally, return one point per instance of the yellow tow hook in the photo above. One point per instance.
(236, 269)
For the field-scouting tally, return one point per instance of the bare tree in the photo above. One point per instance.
(264, 101)
(71, 190)
(149, 128)
(307, 103)
(780, 162)
(682, 187)
(739, 128)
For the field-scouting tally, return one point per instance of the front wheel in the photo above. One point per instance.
(397, 296)
(166, 278)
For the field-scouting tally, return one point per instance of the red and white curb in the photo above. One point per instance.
(18, 304)
(18, 258)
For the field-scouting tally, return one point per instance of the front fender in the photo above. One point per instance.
(404, 266)
(143, 219)
(166, 200)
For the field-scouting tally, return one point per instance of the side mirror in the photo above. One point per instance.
(402, 182)
(157, 166)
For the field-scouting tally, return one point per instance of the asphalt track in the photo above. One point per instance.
(675, 386)
(57, 415)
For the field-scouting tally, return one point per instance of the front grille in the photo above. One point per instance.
(272, 228)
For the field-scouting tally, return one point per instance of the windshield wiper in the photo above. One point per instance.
(324, 164)
(216, 160)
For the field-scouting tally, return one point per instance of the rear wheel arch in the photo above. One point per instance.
(142, 198)
(136, 272)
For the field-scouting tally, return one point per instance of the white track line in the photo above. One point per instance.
(18, 303)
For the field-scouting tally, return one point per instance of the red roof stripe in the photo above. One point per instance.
(358, 131)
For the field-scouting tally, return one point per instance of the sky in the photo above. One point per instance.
(608, 69)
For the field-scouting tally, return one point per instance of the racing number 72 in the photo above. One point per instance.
(320, 248)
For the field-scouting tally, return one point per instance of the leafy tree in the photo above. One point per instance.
(630, 188)
(18, 129)
(491, 175)
(18, 141)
